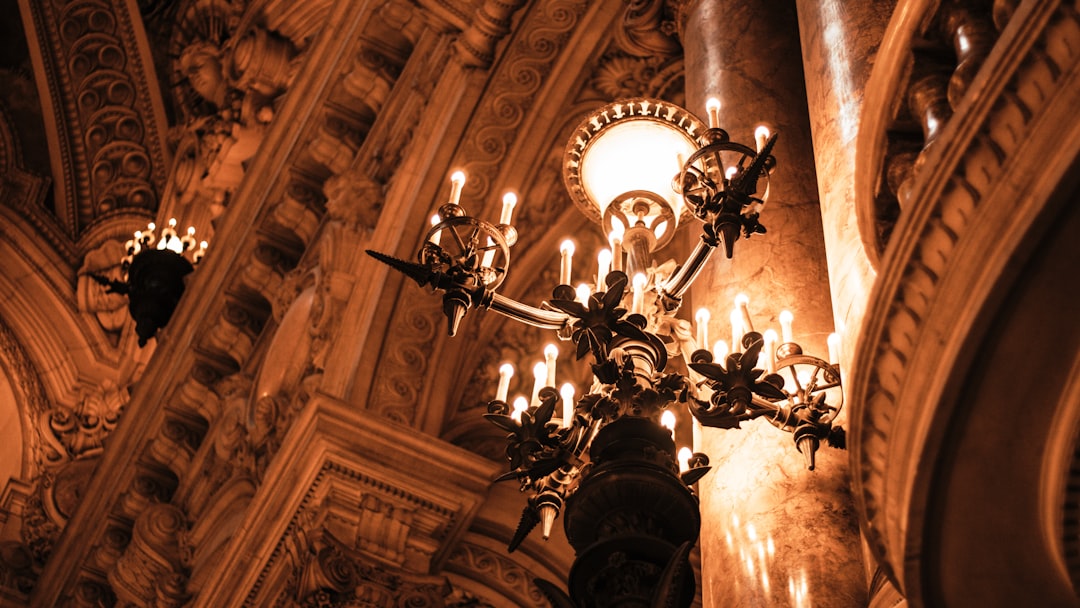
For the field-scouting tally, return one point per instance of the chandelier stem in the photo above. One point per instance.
(537, 317)
(672, 292)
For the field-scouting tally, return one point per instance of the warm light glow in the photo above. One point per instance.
(539, 380)
(770, 350)
(712, 108)
(720, 351)
(566, 252)
(684, 459)
(634, 155)
(506, 372)
(435, 238)
(567, 392)
(702, 317)
(583, 292)
(191, 231)
(731, 171)
(742, 305)
(736, 331)
(615, 239)
(551, 353)
(520, 405)
(834, 342)
(786, 319)
(603, 267)
(457, 182)
(667, 420)
(509, 201)
(761, 135)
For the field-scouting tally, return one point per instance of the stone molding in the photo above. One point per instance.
(999, 155)
(106, 119)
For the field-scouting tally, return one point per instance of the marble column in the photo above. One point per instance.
(773, 533)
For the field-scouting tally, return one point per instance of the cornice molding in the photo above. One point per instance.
(992, 171)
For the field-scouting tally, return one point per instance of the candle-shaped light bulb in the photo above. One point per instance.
(436, 237)
(720, 351)
(638, 303)
(191, 230)
(506, 372)
(770, 350)
(172, 222)
(667, 420)
(684, 459)
(567, 392)
(151, 227)
(615, 240)
(603, 267)
(539, 381)
(509, 201)
(702, 317)
(551, 353)
(785, 326)
(521, 405)
(761, 135)
(736, 331)
(742, 304)
(834, 342)
(712, 107)
(731, 171)
(457, 182)
(174, 245)
(583, 292)
(566, 252)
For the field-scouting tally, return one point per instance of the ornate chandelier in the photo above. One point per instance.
(152, 275)
(641, 168)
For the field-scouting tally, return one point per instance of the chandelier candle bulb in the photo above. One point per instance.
(667, 420)
(539, 379)
(566, 252)
(638, 303)
(520, 406)
(506, 372)
(834, 342)
(720, 351)
(736, 331)
(509, 201)
(435, 238)
(603, 267)
(583, 292)
(457, 183)
(702, 317)
(712, 108)
(567, 392)
(770, 350)
(785, 326)
(742, 304)
(684, 459)
(551, 353)
(489, 255)
(761, 135)
(615, 239)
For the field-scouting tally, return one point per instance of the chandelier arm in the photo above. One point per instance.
(544, 319)
(672, 291)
